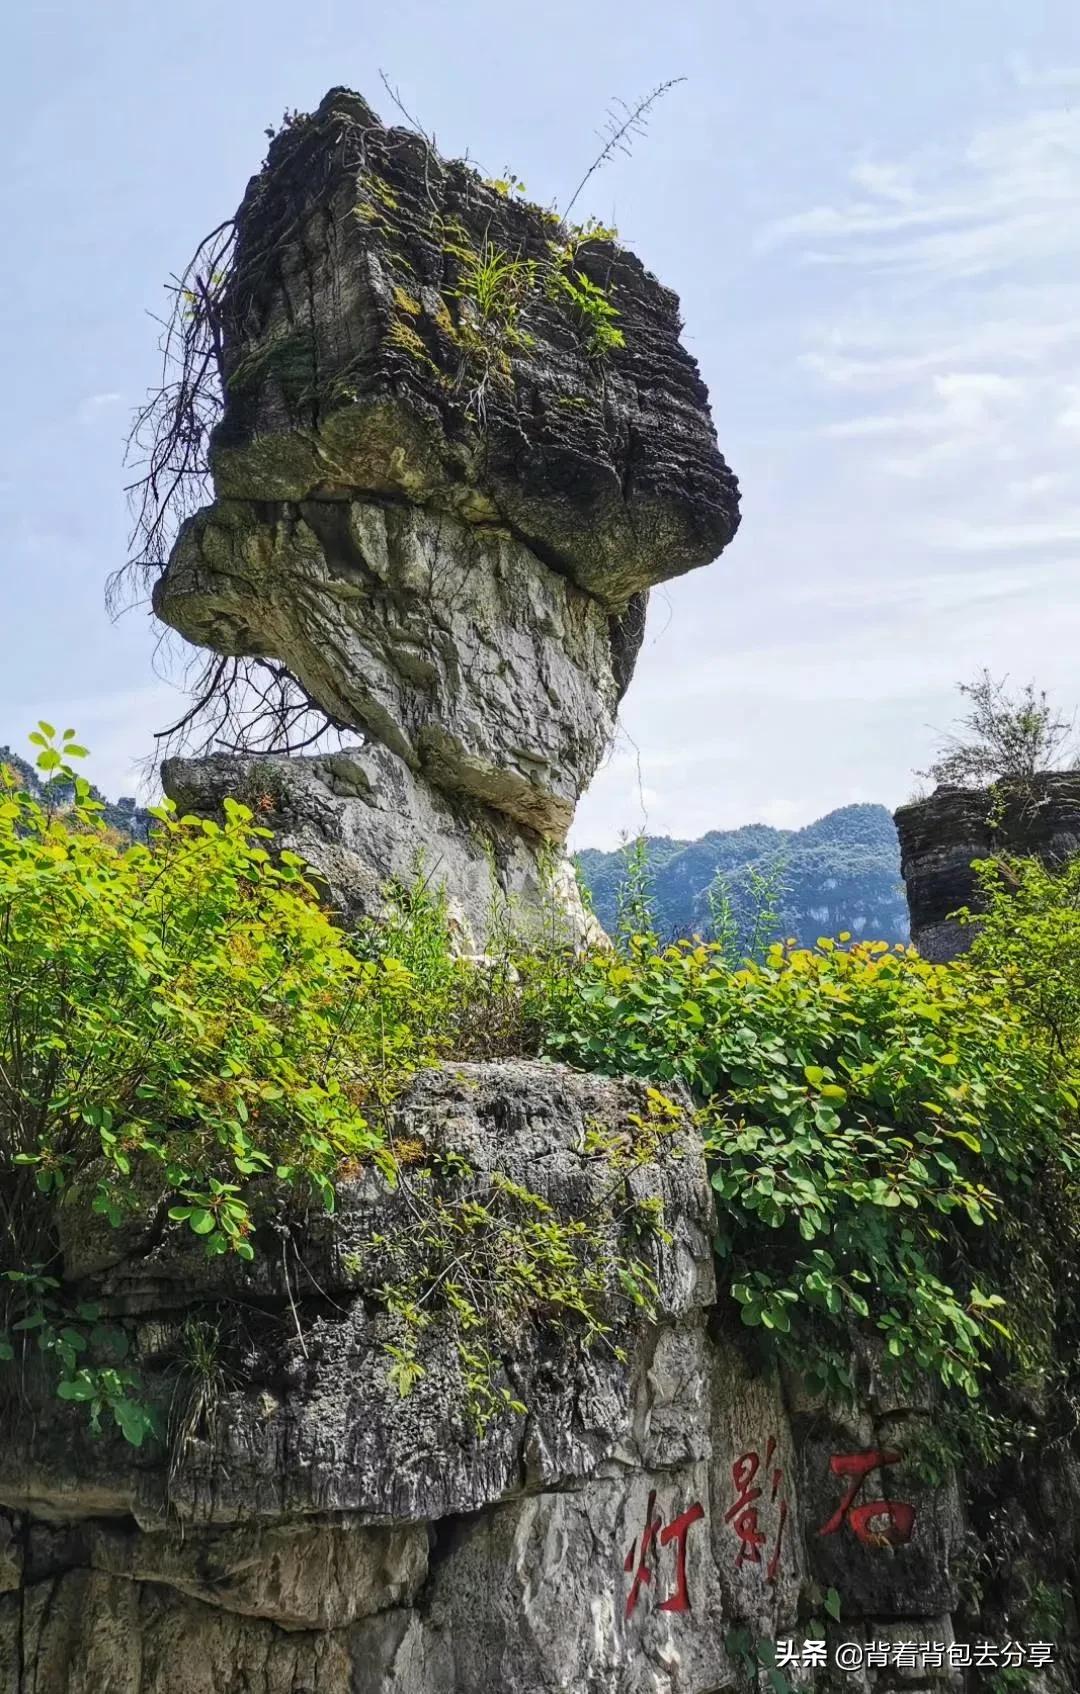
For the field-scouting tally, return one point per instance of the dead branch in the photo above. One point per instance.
(619, 131)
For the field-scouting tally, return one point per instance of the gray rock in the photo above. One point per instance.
(360, 354)
(440, 501)
(485, 672)
(306, 1421)
(315, 1531)
(361, 819)
(942, 835)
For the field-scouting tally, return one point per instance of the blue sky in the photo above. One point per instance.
(871, 215)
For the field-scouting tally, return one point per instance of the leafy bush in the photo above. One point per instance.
(185, 1034)
(1005, 737)
(179, 1022)
(177, 1018)
(868, 1114)
(1026, 948)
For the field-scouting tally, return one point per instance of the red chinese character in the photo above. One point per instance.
(897, 1518)
(643, 1573)
(743, 1515)
(774, 1562)
(676, 1531)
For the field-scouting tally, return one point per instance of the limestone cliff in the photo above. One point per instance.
(942, 835)
(313, 1531)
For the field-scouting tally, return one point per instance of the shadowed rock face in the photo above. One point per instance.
(440, 501)
(482, 670)
(317, 1532)
(396, 327)
(942, 835)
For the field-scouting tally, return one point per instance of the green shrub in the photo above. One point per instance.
(869, 1117)
(179, 1023)
(177, 1019)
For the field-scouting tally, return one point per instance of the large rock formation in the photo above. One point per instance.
(358, 818)
(941, 836)
(460, 442)
(459, 445)
(311, 1530)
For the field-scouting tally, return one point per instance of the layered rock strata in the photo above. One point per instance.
(459, 444)
(312, 1532)
(941, 836)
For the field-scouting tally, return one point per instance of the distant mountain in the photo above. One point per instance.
(123, 815)
(840, 873)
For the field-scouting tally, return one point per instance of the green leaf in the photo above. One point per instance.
(76, 1388)
(134, 1421)
(832, 1604)
(967, 1140)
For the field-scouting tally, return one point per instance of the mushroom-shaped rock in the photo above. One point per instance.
(459, 442)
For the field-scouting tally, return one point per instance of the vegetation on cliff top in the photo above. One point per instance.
(178, 1017)
(1004, 737)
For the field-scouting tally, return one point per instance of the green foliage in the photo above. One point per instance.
(506, 184)
(743, 927)
(1026, 944)
(842, 872)
(184, 1033)
(496, 282)
(755, 1658)
(868, 1114)
(591, 305)
(1004, 737)
(635, 916)
(496, 289)
(484, 1256)
(177, 1019)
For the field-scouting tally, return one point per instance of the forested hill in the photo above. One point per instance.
(123, 815)
(840, 873)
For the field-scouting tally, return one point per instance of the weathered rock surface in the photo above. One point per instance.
(315, 1531)
(377, 287)
(942, 835)
(362, 821)
(457, 649)
(442, 493)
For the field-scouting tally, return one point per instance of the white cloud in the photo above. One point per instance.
(94, 404)
(1048, 77)
(963, 536)
(926, 516)
(1012, 189)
